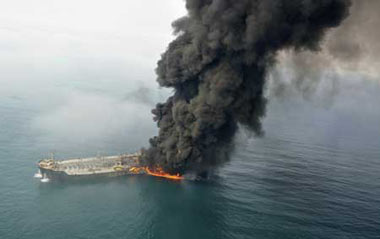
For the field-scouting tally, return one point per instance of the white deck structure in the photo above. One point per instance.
(91, 166)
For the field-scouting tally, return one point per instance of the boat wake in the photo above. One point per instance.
(45, 180)
(38, 175)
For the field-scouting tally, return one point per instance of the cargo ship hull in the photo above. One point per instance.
(58, 175)
(110, 166)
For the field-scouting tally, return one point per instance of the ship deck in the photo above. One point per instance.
(93, 165)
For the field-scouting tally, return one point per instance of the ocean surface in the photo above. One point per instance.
(315, 173)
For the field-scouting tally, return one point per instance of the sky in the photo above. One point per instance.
(40, 38)
(81, 62)
(85, 68)
(44, 42)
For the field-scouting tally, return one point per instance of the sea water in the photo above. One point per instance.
(315, 174)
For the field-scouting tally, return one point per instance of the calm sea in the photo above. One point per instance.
(315, 174)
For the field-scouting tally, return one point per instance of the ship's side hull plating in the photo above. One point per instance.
(60, 175)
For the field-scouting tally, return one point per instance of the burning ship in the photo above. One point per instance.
(109, 166)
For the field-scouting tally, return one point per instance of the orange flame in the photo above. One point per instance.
(160, 173)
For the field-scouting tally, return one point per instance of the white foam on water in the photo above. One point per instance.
(37, 175)
(45, 180)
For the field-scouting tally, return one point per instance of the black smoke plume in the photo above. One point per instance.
(217, 67)
(352, 47)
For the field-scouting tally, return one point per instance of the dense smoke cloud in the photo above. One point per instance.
(218, 66)
(355, 45)
(353, 48)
